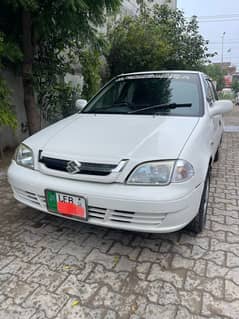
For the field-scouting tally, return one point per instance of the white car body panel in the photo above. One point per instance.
(110, 138)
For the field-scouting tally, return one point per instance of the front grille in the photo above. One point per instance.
(125, 217)
(86, 168)
(31, 198)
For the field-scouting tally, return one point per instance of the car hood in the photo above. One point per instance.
(111, 138)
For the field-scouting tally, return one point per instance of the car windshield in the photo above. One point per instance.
(160, 93)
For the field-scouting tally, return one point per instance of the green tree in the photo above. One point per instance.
(91, 69)
(45, 29)
(235, 85)
(57, 100)
(216, 72)
(157, 39)
(11, 53)
(7, 117)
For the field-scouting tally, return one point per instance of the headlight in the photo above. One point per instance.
(154, 173)
(24, 156)
(161, 173)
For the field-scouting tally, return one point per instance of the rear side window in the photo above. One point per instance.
(213, 89)
(210, 91)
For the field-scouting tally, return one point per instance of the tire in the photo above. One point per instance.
(199, 221)
(216, 157)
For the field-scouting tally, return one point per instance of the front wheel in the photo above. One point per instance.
(199, 221)
(216, 157)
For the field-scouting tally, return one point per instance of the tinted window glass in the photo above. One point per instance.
(214, 93)
(132, 93)
(209, 91)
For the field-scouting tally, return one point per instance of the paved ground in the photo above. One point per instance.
(54, 268)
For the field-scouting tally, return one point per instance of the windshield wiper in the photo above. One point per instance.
(166, 105)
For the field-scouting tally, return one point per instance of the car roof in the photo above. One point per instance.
(205, 76)
(164, 71)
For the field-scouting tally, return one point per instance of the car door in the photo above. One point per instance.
(216, 124)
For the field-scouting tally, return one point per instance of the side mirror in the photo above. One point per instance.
(220, 107)
(80, 104)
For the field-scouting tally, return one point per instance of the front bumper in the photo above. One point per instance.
(138, 208)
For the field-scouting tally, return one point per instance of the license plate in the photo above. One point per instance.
(65, 204)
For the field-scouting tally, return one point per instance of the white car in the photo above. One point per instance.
(136, 157)
(237, 98)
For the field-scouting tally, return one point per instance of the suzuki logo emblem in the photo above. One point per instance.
(73, 167)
